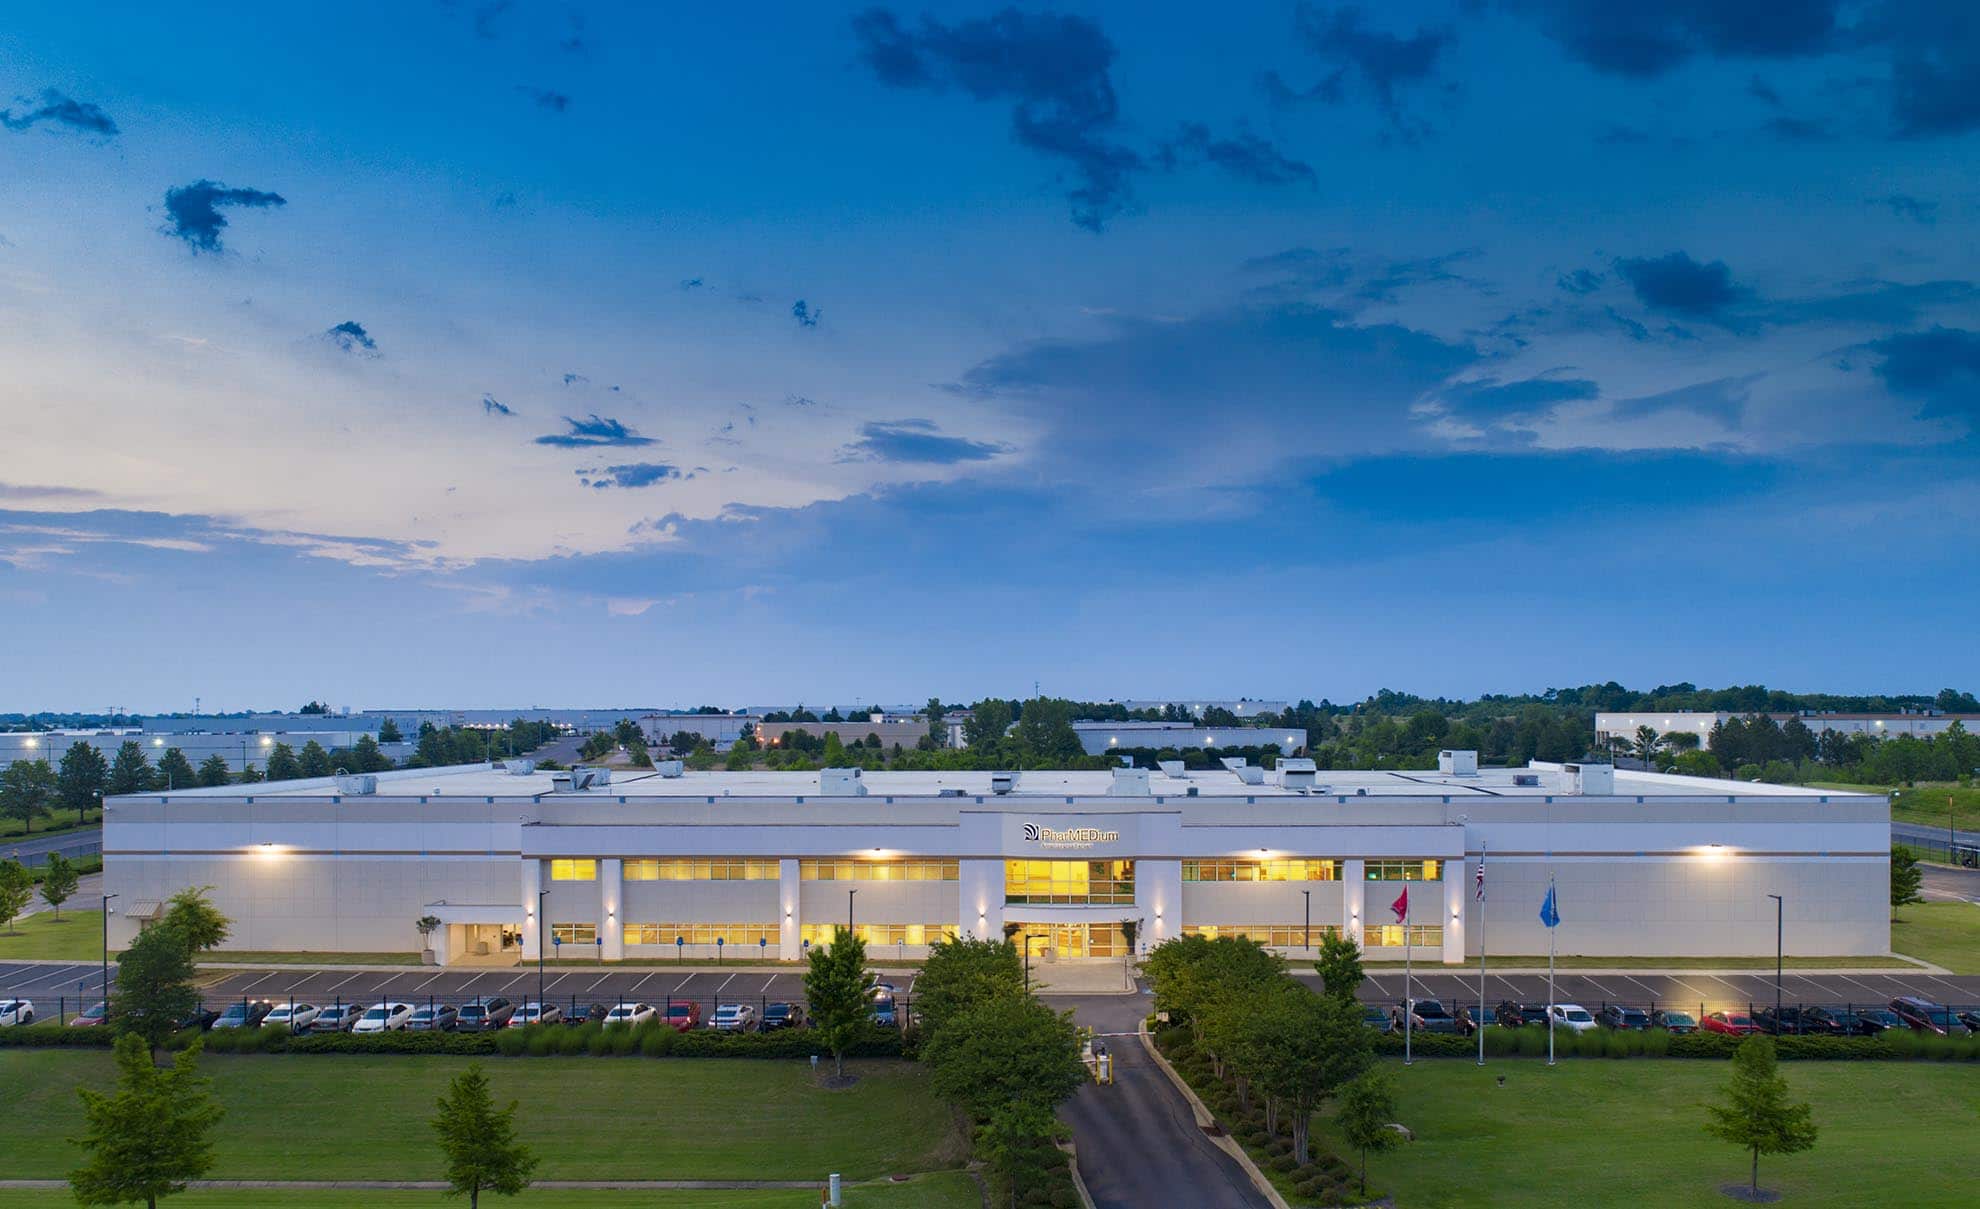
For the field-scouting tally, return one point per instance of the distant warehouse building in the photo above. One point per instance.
(661, 863)
(1922, 725)
(1098, 738)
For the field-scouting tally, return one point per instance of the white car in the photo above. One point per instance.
(384, 1018)
(629, 1013)
(734, 1018)
(1570, 1016)
(16, 1011)
(536, 1013)
(296, 1016)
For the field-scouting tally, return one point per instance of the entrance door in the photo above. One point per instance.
(1054, 941)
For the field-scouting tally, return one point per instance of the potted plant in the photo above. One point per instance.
(427, 925)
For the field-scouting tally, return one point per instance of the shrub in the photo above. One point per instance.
(1310, 1186)
(1284, 1163)
(657, 1043)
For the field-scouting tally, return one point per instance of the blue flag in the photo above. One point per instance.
(1550, 914)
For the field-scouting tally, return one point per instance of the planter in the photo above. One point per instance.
(427, 958)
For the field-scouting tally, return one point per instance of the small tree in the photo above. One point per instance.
(59, 881)
(148, 1138)
(479, 1141)
(154, 992)
(1307, 1047)
(1339, 965)
(1367, 1106)
(80, 781)
(16, 888)
(388, 732)
(27, 789)
(961, 974)
(1906, 876)
(282, 763)
(839, 988)
(1756, 1114)
(130, 772)
(213, 771)
(1011, 1135)
(196, 920)
(175, 771)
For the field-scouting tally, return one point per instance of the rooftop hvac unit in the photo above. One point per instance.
(1592, 779)
(356, 785)
(1129, 783)
(1458, 763)
(1297, 773)
(1171, 768)
(1526, 780)
(1002, 783)
(669, 768)
(519, 768)
(579, 779)
(951, 793)
(840, 783)
(1244, 770)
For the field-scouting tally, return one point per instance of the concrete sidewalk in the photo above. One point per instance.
(1091, 976)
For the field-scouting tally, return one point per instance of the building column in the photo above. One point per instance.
(1158, 901)
(789, 940)
(1354, 892)
(532, 930)
(980, 899)
(1455, 877)
(611, 896)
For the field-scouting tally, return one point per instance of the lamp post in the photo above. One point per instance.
(1780, 932)
(540, 896)
(105, 988)
(1307, 940)
(849, 911)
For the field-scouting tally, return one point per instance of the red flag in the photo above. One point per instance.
(1401, 905)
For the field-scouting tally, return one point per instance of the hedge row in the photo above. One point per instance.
(648, 1040)
(1656, 1043)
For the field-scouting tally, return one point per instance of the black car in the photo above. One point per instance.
(1924, 1016)
(478, 1014)
(1971, 1019)
(1868, 1022)
(1673, 1021)
(244, 1013)
(782, 1015)
(201, 1018)
(1797, 1020)
(1615, 1015)
(595, 1014)
(1514, 1015)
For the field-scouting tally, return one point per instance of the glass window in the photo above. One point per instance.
(574, 934)
(706, 869)
(751, 936)
(1278, 936)
(1390, 936)
(573, 871)
(879, 871)
(1075, 882)
(1396, 871)
(883, 934)
(1298, 870)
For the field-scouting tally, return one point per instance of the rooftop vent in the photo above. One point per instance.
(1526, 780)
(1129, 783)
(1003, 782)
(840, 783)
(356, 785)
(519, 768)
(1458, 763)
(1297, 773)
(669, 768)
(1171, 768)
(1594, 779)
(580, 779)
(951, 793)
(1244, 770)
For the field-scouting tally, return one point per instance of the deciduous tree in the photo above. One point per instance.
(961, 974)
(1365, 1111)
(27, 790)
(1339, 965)
(154, 990)
(149, 1138)
(1006, 1051)
(1756, 1114)
(479, 1140)
(282, 763)
(175, 771)
(58, 881)
(839, 991)
(1906, 877)
(1309, 1046)
(16, 888)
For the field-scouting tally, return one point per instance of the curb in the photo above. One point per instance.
(1071, 1147)
(1223, 1141)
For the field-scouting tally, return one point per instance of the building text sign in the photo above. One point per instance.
(1068, 838)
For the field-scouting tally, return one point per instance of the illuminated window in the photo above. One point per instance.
(706, 869)
(574, 934)
(878, 871)
(1396, 871)
(883, 934)
(752, 936)
(573, 871)
(1262, 871)
(1077, 882)
(1390, 936)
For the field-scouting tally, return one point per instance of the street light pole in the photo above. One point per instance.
(540, 896)
(849, 911)
(1780, 933)
(105, 988)
(1307, 940)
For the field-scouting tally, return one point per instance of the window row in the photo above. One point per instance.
(728, 935)
(573, 871)
(1390, 936)
(702, 869)
(574, 934)
(1262, 871)
(878, 871)
(1278, 936)
(1076, 882)
(1398, 871)
(883, 934)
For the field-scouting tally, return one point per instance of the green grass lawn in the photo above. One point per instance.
(1926, 805)
(1651, 963)
(365, 1117)
(944, 1190)
(263, 957)
(1591, 1132)
(54, 824)
(77, 936)
(1946, 934)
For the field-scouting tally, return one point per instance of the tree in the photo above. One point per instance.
(938, 729)
(1011, 1136)
(479, 1141)
(365, 756)
(1367, 1106)
(834, 753)
(314, 760)
(282, 763)
(27, 789)
(1646, 743)
(961, 974)
(154, 991)
(1756, 1114)
(839, 988)
(1311, 1046)
(130, 772)
(1339, 965)
(1006, 1051)
(196, 920)
(149, 1138)
(426, 926)
(388, 732)
(1906, 876)
(314, 707)
(988, 720)
(79, 784)
(58, 881)
(175, 771)
(213, 771)
(251, 775)
(16, 888)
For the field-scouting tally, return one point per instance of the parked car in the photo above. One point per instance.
(734, 1017)
(683, 1016)
(383, 1018)
(535, 1013)
(883, 1014)
(441, 1019)
(244, 1013)
(297, 1016)
(16, 1011)
(885, 990)
(595, 1014)
(478, 1014)
(1375, 1017)
(629, 1013)
(1737, 1024)
(94, 1014)
(1616, 1016)
(1484, 1017)
(1971, 1019)
(782, 1015)
(1868, 1022)
(1570, 1016)
(201, 1018)
(1430, 1016)
(1515, 1015)
(336, 1018)
(1924, 1016)
(1796, 1020)
(1673, 1021)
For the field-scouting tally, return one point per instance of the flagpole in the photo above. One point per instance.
(1479, 1023)
(1409, 1008)
(1550, 973)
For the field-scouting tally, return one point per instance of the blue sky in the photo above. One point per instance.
(537, 353)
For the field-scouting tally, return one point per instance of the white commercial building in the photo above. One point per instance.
(1098, 738)
(1883, 726)
(659, 864)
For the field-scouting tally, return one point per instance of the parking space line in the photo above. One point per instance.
(725, 985)
(643, 981)
(679, 987)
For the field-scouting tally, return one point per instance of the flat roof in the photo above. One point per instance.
(483, 780)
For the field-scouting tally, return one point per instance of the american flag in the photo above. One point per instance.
(1481, 877)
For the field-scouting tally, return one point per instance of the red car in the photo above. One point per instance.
(1738, 1024)
(92, 1015)
(683, 1016)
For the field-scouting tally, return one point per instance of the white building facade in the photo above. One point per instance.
(1074, 863)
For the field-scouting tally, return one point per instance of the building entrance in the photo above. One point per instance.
(1063, 942)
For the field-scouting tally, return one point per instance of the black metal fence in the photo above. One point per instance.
(1855, 1019)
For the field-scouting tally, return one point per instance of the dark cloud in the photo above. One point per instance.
(1676, 282)
(490, 405)
(193, 211)
(1581, 281)
(1382, 64)
(1940, 366)
(1722, 399)
(595, 431)
(1916, 209)
(918, 442)
(556, 102)
(1490, 400)
(635, 474)
(1650, 37)
(1244, 155)
(1763, 92)
(1053, 68)
(1934, 46)
(31, 491)
(1613, 135)
(805, 316)
(350, 337)
(62, 111)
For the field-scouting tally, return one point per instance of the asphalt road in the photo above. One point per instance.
(1925, 831)
(1946, 883)
(34, 849)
